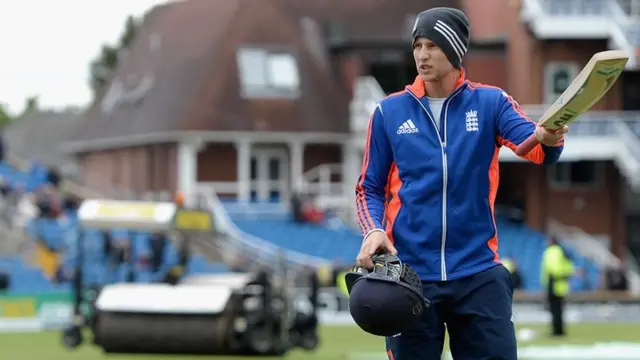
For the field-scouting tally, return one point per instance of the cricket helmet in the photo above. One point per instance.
(388, 299)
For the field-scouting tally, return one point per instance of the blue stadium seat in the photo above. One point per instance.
(315, 240)
(63, 236)
(517, 242)
(24, 278)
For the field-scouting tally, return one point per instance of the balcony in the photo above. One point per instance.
(616, 20)
(631, 8)
(575, 7)
(599, 135)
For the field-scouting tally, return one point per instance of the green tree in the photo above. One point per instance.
(32, 103)
(5, 116)
(129, 32)
(101, 68)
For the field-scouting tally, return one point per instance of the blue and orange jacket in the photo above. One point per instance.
(433, 191)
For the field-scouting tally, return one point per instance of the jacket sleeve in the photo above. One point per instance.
(372, 182)
(514, 127)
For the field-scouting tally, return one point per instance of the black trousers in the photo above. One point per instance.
(556, 307)
(477, 311)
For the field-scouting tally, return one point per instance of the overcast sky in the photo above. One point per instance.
(46, 46)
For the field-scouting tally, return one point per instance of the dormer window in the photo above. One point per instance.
(268, 73)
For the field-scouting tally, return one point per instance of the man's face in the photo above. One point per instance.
(431, 62)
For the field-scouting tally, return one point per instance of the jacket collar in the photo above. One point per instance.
(417, 88)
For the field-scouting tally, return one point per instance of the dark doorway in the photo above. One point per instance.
(631, 90)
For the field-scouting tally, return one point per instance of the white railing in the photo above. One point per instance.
(247, 243)
(629, 160)
(594, 250)
(624, 29)
(319, 181)
(330, 194)
(366, 96)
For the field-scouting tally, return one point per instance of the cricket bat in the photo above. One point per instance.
(595, 79)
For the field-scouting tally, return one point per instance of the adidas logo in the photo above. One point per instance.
(407, 127)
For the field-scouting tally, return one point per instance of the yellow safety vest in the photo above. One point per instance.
(341, 283)
(556, 265)
(177, 270)
(507, 263)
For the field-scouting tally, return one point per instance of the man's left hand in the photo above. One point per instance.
(550, 137)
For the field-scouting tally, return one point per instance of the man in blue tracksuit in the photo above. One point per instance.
(427, 189)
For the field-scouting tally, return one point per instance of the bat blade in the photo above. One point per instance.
(591, 84)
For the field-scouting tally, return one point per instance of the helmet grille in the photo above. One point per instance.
(410, 277)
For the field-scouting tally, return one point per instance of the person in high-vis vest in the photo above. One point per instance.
(556, 270)
(341, 283)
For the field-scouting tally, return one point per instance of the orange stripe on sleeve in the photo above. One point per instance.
(361, 202)
(393, 206)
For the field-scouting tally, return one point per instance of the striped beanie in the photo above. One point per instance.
(446, 27)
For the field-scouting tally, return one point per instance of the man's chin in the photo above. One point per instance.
(428, 77)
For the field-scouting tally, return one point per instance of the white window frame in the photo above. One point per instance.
(268, 73)
(550, 69)
(566, 183)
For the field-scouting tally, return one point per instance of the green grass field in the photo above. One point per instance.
(338, 343)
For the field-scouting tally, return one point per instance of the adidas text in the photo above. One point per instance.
(407, 131)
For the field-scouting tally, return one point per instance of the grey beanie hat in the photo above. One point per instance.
(446, 27)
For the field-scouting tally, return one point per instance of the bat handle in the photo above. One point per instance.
(526, 146)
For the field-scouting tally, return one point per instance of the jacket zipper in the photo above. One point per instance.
(445, 175)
